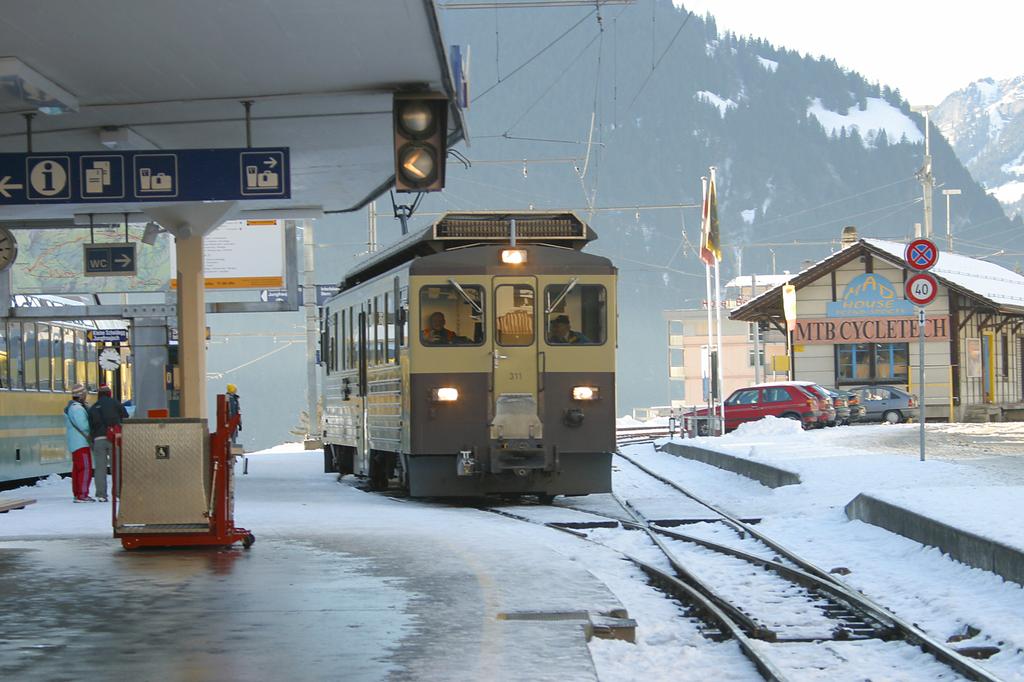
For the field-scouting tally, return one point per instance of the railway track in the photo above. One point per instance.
(780, 609)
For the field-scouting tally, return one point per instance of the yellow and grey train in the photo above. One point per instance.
(475, 358)
(39, 363)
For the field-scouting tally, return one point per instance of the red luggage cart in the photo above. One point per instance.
(221, 514)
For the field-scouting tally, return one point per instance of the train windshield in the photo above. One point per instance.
(451, 314)
(576, 314)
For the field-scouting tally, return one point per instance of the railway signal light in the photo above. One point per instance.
(421, 136)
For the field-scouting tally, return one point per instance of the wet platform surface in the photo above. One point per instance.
(339, 585)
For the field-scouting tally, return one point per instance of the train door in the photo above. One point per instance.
(514, 350)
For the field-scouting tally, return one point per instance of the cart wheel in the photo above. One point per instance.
(248, 540)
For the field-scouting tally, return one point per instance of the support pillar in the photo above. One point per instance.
(312, 440)
(191, 326)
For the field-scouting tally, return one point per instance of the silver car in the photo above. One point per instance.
(887, 403)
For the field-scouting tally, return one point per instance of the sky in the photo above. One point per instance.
(927, 50)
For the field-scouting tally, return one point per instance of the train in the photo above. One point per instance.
(475, 358)
(39, 363)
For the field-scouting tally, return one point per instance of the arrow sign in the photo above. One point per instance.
(6, 184)
(105, 260)
(272, 162)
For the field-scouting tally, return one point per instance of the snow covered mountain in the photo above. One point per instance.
(985, 124)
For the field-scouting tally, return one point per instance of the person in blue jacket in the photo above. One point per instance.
(76, 427)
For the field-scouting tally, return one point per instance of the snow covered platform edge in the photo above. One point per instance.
(767, 475)
(965, 547)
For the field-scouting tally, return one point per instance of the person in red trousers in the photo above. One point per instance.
(76, 427)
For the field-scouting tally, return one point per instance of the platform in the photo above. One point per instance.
(918, 515)
(766, 474)
(341, 584)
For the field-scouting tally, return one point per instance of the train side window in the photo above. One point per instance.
(576, 314)
(403, 318)
(353, 361)
(451, 315)
(17, 360)
(80, 362)
(389, 330)
(92, 368)
(335, 343)
(57, 344)
(514, 314)
(44, 359)
(31, 374)
(4, 362)
(343, 342)
(70, 368)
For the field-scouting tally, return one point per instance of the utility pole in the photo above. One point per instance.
(757, 335)
(925, 174)
(371, 242)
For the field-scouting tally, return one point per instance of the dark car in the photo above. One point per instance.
(841, 403)
(887, 403)
(750, 404)
(857, 411)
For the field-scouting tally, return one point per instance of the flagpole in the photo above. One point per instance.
(708, 299)
(713, 198)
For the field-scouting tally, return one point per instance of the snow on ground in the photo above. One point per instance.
(723, 105)
(879, 115)
(973, 478)
(768, 64)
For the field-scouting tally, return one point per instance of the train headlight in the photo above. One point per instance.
(445, 394)
(513, 256)
(584, 393)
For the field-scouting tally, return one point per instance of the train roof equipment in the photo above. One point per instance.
(459, 230)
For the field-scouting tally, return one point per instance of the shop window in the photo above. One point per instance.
(1005, 343)
(577, 314)
(872, 362)
(451, 314)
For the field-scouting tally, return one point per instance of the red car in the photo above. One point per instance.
(750, 404)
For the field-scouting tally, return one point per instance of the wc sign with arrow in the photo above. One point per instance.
(106, 260)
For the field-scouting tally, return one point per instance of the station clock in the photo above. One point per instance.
(8, 248)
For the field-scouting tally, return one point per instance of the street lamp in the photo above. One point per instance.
(949, 232)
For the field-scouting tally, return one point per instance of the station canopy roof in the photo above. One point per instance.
(171, 75)
(988, 285)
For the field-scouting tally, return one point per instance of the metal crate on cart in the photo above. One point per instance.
(174, 483)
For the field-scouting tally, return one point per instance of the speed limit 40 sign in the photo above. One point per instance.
(921, 289)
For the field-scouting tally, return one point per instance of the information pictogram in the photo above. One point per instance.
(921, 289)
(921, 254)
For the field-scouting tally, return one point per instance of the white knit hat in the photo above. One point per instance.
(79, 391)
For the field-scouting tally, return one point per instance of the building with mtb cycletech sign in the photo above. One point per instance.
(854, 327)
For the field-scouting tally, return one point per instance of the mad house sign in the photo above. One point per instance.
(870, 311)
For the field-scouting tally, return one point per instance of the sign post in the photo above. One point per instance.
(921, 255)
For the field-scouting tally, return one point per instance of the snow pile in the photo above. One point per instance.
(879, 115)
(769, 426)
(627, 422)
(723, 105)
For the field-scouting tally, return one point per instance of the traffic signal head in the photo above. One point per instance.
(421, 134)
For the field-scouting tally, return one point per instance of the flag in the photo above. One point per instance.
(710, 246)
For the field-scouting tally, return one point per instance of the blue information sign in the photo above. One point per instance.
(107, 335)
(105, 260)
(139, 176)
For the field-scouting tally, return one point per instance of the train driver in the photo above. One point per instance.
(435, 333)
(561, 331)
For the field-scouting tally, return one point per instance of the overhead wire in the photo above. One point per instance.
(654, 65)
(535, 56)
